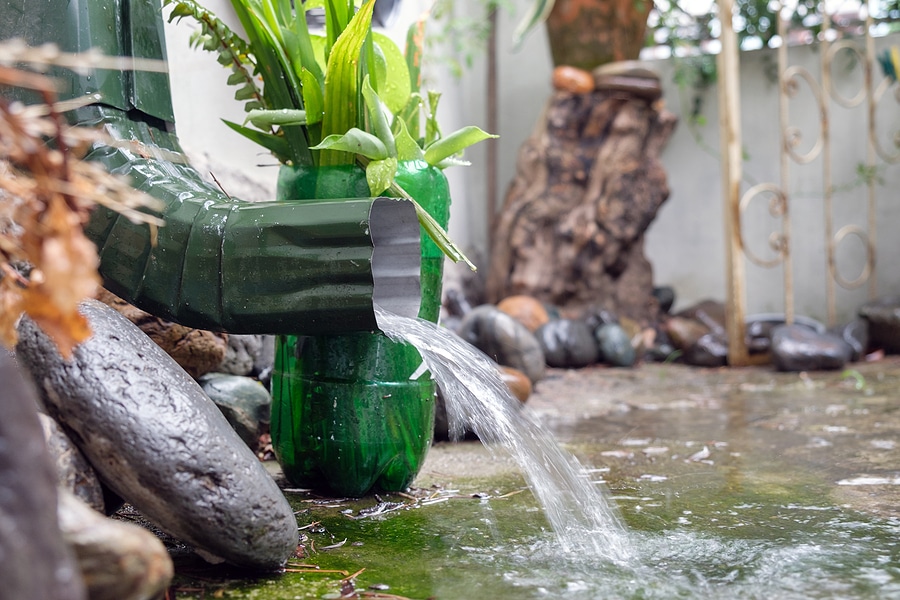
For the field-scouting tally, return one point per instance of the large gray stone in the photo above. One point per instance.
(158, 441)
(504, 339)
(567, 343)
(34, 561)
(799, 348)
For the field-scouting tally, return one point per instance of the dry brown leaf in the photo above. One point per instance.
(47, 265)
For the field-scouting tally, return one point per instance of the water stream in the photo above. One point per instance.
(579, 511)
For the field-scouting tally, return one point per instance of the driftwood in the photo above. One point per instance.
(588, 184)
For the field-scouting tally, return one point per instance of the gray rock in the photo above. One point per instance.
(883, 317)
(597, 317)
(567, 344)
(665, 295)
(158, 441)
(684, 332)
(711, 350)
(759, 329)
(799, 348)
(241, 354)
(244, 402)
(709, 312)
(117, 560)
(35, 563)
(74, 473)
(615, 345)
(504, 339)
(856, 334)
(265, 360)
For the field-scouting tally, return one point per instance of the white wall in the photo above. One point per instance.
(686, 243)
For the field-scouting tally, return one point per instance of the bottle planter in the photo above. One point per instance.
(355, 412)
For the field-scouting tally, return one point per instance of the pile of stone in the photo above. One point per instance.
(527, 335)
(126, 423)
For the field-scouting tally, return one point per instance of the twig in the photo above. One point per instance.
(339, 571)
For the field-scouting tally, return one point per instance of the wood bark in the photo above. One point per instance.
(588, 184)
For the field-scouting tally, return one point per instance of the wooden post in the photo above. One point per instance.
(728, 65)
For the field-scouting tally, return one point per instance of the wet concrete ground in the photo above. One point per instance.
(732, 483)
(658, 425)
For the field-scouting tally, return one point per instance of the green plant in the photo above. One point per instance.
(348, 96)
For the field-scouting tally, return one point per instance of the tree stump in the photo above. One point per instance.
(588, 184)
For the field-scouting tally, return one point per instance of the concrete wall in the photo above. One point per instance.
(686, 243)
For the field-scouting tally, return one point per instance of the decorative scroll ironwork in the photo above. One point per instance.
(825, 94)
(791, 135)
(868, 267)
(778, 241)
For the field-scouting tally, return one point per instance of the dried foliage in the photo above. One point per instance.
(47, 265)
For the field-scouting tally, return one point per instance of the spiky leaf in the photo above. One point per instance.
(455, 143)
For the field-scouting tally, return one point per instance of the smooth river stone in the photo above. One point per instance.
(799, 348)
(568, 344)
(504, 340)
(159, 442)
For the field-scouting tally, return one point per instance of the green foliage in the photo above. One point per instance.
(233, 52)
(331, 100)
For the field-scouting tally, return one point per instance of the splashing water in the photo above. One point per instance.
(476, 398)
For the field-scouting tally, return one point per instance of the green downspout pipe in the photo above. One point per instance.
(219, 263)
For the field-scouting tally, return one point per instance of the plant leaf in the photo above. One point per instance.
(341, 80)
(455, 143)
(411, 115)
(452, 161)
(407, 147)
(278, 78)
(415, 48)
(378, 118)
(432, 227)
(282, 116)
(380, 174)
(313, 100)
(432, 128)
(537, 13)
(355, 141)
(394, 87)
(275, 144)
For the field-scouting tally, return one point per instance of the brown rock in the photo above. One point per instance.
(631, 327)
(526, 310)
(118, 560)
(684, 332)
(197, 351)
(73, 472)
(572, 80)
(517, 382)
(630, 77)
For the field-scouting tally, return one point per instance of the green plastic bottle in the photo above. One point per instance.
(352, 413)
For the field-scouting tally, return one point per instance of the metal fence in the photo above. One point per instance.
(797, 151)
